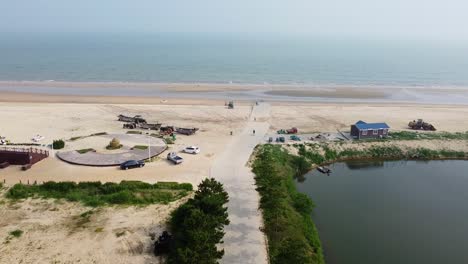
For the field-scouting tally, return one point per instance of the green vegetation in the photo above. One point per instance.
(134, 132)
(16, 233)
(168, 140)
(142, 147)
(91, 135)
(97, 194)
(98, 134)
(83, 151)
(394, 152)
(292, 236)
(58, 144)
(410, 135)
(198, 226)
(313, 155)
(119, 234)
(114, 144)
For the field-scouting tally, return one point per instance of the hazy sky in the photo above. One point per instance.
(371, 18)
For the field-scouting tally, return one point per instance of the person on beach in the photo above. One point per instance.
(254, 131)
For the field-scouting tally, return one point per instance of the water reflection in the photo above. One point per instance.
(357, 165)
(391, 212)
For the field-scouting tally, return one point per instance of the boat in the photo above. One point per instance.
(324, 169)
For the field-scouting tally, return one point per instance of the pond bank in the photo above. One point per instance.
(292, 235)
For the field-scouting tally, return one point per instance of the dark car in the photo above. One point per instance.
(130, 164)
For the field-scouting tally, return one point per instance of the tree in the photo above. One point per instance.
(198, 225)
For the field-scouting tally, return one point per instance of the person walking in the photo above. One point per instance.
(254, 131)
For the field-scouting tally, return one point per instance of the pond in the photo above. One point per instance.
(391, 212)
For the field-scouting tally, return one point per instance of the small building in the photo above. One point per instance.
(363, 130)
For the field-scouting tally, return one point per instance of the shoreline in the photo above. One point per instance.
(206, 93)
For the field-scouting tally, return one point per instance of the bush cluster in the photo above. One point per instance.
(98, 194)
(198, 225)
(114, 144)
(58, 144)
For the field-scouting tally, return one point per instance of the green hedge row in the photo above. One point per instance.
(292, 236)
(98, 194)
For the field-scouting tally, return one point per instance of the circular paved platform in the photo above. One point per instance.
(114, 159)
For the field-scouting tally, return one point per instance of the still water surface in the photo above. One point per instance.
(392, 212)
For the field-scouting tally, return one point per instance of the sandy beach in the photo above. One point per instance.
(21, 121)
(50, 225)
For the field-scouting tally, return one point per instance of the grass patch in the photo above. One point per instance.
(292, 236)
(91, 135)
(134, 132)
(16, 233)
(142, 147)
(83, 151)
(98, 194)
(409, 135)
(168, 141)
(98, 134)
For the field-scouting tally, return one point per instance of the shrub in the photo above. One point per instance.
(114, 144)
(16, 233)
(58, 144)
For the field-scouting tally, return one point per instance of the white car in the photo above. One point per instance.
(37, 138)
(192, 150)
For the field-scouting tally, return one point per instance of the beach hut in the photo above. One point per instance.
(363, 130)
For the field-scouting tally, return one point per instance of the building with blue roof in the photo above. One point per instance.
(363, 130)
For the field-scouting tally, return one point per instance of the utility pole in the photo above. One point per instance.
(149, 148)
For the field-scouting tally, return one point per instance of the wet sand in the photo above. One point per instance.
(149, 93)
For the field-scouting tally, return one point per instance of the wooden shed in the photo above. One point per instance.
(363, 130)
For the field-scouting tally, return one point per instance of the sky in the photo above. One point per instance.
(437, 19)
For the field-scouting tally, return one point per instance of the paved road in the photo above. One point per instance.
(243, 242)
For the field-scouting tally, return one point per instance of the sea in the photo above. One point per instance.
(234, 58)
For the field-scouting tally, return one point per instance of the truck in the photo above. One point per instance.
(287, 131)
(421, 125)
(172, 156)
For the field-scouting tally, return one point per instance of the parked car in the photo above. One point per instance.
(172, 156)
(295, 138)
(130, 164)
(192, 150)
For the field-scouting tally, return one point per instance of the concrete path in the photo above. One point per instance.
(106, 158)
(243, 242)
